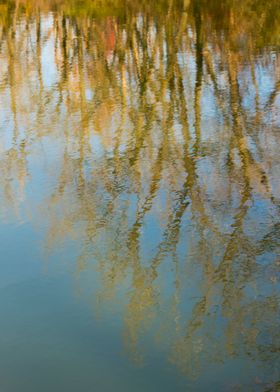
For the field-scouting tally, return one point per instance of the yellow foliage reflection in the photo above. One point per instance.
(159, 126)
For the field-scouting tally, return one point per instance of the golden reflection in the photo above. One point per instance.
(159, 127)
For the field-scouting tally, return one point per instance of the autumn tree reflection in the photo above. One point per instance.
(167, 162)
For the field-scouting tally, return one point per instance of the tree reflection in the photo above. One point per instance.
(168, 158)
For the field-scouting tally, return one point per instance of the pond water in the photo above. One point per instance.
(140, 195)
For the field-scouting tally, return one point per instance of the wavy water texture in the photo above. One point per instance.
(156, 128)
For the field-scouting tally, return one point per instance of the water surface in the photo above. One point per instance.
(140, 182)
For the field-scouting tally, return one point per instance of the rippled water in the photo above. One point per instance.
(140, 181)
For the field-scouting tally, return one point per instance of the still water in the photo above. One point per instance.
(140, 196)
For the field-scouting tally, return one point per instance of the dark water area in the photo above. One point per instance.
(140, 196)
